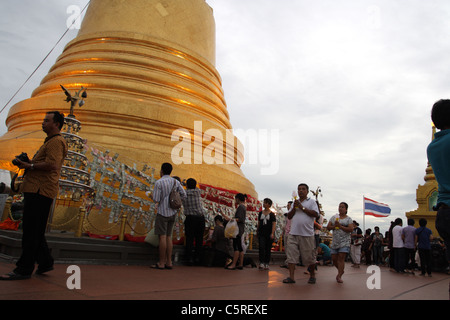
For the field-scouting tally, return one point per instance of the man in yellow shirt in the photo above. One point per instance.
(40, 187)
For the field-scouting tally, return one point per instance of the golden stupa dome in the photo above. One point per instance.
(149, 70)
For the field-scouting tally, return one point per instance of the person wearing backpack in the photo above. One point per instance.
(164, 191)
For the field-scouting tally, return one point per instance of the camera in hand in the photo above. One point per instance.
(22, 157)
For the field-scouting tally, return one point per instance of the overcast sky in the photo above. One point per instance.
(347, 86)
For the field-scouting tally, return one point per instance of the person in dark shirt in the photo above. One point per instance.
(239, 216)
(423, 240)
(266, 233)
(220, 244)
(194, 224)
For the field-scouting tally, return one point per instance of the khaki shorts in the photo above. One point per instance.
(164, 225)
(301, 245)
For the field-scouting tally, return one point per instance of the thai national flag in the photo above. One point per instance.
(376, 209)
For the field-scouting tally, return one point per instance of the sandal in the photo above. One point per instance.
(14, 276)
(288, 280)
(168, 267)
(156, 266)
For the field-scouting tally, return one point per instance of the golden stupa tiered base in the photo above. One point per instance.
(149, 70)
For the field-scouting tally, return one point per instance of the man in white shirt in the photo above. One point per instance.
(301, 235)
(398, 246)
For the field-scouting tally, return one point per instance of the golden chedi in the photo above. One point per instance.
(149, 70)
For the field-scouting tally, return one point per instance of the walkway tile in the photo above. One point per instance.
(106, 282)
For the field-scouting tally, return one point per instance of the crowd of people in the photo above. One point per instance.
(303, 245)
(301, 238)
(397, 248)
(402, 249)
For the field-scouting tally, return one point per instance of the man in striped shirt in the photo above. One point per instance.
(194, 224)
(165, 217)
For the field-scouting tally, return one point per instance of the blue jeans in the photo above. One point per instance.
(378, 255)
(340, 250)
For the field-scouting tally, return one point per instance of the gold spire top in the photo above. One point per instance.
(429, 176)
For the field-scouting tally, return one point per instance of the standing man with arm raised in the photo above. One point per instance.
(301, 235)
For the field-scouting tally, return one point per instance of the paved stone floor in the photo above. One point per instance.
(109, 282)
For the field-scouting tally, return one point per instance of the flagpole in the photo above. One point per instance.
(364, 216)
